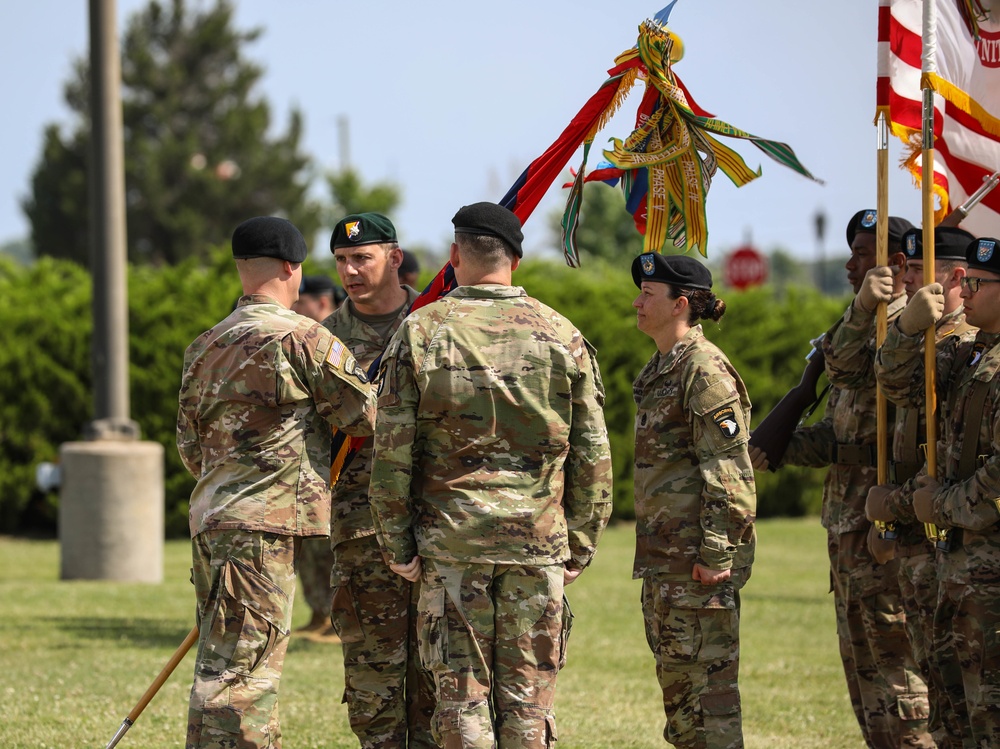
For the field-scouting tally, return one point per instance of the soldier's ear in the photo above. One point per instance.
(681, 305)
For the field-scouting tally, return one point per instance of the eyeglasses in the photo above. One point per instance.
(972, 284)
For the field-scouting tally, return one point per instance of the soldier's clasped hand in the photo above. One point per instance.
(923, 310)
(877, 287)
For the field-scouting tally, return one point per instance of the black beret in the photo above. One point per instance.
(677, 270)
(269, 236)
(492, 220)
(982, 254)
(410, 263)
(865, 221)
(362, 228)
(316, 285)
(949, 243)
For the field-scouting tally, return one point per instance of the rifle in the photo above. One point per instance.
(773, 434)
(955, 217)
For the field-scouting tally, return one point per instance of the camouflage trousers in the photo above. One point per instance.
(694, 633)
(245, 584)
(967, 629)
(918, 585)
(888, 693)
(494, 638)
(314, 562)
(389, 698)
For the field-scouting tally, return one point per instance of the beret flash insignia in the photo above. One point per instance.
(648, 267)
(911, 244)
(869, 219)
(353, 229)
(985, 250)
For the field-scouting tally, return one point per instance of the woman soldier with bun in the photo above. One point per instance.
(694, 502)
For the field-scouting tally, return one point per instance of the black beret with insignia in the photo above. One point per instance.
(492, 220)
(362, 228)
(677, 270)
(984, 254)
(865, 221)
(317, 285)
(949, 243)
(269, 236)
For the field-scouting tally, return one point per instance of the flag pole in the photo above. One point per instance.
(881, 315)
(928, 65)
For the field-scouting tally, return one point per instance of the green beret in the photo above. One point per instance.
(982, 254)
(950, 243)
(677, 270)
(491, 220)
(864, 222)
(269, 236)
(362, 228)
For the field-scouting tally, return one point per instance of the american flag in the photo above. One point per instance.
(964, 72)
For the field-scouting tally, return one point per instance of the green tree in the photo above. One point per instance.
(350, 195)
(198, 155)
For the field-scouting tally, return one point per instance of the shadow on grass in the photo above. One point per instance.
(128, 631)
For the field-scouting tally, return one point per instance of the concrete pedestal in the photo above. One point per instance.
(111, 511)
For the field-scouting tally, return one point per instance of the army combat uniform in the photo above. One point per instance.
(258, 396)
(888, 694)
(695, 503)
(492, 463)
(918, 573)
(967, 617)
(371, 604)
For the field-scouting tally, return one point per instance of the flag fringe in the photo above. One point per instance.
(963, 101)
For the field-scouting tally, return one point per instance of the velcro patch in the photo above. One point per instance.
(336, 356)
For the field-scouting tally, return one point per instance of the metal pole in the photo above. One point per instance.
(108, 248)
(820, 221)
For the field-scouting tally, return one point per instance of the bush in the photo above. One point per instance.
(765, 336)
(45, 331)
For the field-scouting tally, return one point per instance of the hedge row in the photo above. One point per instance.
(45, 394)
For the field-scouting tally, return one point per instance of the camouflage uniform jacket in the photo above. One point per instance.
(258, 395)
(351, 515)
(969, 503)
(849, 419)
(490, 443)
(900, 502)
(695, 498)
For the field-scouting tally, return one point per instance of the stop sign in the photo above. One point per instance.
(745, 267)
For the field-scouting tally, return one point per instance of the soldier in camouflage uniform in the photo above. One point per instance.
(492, 479)
(259, 394)
(695, 503)
(963, 499)
(387, 695)
(317, 300)
(892, 503)
(888, 694)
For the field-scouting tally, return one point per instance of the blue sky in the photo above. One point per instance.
(452, 99)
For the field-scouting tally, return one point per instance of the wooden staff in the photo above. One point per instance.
(927, 64)
(886, 530)
(930, 349)
(191, 639)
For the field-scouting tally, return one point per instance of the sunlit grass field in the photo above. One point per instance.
(76, 656)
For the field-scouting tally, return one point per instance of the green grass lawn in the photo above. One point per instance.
(76, 656)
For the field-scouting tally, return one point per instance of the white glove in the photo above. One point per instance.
(923, 310)
(877, 287)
